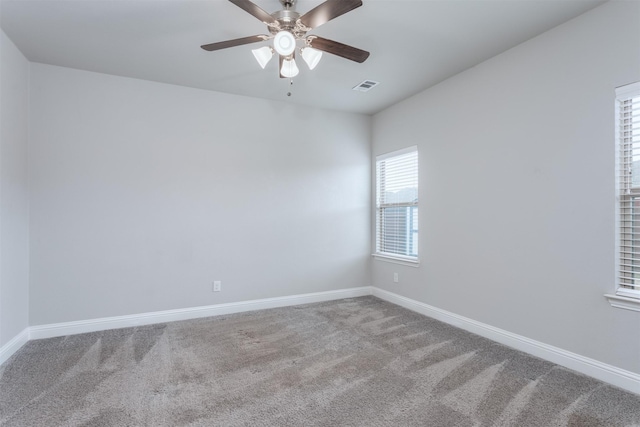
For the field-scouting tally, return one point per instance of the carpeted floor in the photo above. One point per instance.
(353, 362)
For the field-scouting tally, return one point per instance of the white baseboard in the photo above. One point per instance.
(619, 377)
(7, 350)
(101, 324)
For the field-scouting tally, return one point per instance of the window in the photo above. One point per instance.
(397, 205)
(628, 141)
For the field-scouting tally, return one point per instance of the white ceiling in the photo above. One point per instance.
(414, 44)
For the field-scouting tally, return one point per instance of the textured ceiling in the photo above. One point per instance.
(414, 44)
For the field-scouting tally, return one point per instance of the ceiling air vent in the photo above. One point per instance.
(366, 86)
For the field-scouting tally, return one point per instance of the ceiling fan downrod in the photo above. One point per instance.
(287, 4)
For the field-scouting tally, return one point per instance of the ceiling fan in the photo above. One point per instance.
(287, 27)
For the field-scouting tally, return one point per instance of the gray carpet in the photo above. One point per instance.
(353, 362)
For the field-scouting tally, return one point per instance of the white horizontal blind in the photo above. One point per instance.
(628, 110)
(397, 204)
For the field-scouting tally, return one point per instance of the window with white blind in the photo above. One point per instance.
(628, 140)
(397, 205)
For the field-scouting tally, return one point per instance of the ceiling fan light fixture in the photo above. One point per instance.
(263, 55)
(287, 27)
(289, 68)
(311, 56)
(284, 43)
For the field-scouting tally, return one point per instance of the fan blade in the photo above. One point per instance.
(336, 48)
(327, 11)
(255, 10)
(235, 42)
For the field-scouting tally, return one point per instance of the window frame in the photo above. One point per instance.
(624, 297)
(412, 261)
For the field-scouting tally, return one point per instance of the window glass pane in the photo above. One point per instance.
(630, 242)
(413, 238)
(630, 134)
(635, 237)
(398, 178)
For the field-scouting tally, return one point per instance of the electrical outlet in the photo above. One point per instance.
(395, 278)
(217, 286)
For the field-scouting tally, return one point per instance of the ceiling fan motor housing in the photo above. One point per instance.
(288, 20)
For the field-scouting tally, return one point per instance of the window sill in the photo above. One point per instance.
(398, 260)
(625, 299)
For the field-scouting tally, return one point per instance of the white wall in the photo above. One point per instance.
(14, 207)
(143, 193)
(517, 187)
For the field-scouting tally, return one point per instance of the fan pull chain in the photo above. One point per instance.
(290, 84)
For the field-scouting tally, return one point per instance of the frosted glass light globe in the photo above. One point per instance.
(284, 43)
(289, 68)
(263, 55)
(311, 56)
